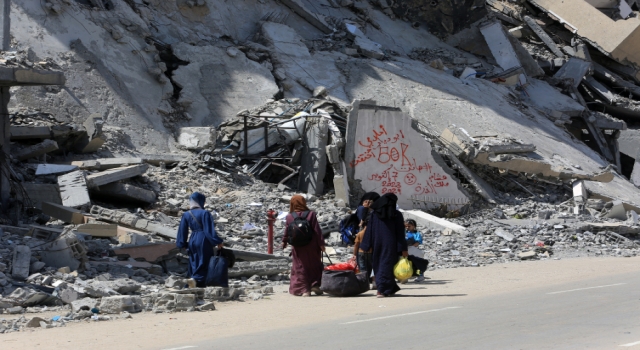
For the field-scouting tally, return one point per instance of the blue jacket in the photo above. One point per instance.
(417, 236)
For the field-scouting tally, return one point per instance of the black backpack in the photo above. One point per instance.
(299, 230)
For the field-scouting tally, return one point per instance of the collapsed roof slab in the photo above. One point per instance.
(618, 39)
(437, 100)
(217, 83)
(618, 189)
(304, 71)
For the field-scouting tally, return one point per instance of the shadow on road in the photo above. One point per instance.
(428, 295)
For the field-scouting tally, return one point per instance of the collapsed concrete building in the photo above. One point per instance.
(508, 129)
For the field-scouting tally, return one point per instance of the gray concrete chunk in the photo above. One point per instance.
(114, 175)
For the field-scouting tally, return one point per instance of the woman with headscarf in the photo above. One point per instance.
(365, 203)
(203, 238)
(385, 234)
(306, 265)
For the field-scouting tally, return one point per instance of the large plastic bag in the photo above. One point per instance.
(344, 283)
(403, 269)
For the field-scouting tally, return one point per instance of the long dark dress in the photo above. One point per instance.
(306, 264)
(388, 242)
(203, 239)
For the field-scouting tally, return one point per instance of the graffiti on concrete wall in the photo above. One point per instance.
(402, 174)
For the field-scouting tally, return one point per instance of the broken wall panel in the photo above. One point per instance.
(41, 193)
(500, 46)
(390, 156)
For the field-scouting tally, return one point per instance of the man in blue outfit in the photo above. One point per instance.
(202, 241)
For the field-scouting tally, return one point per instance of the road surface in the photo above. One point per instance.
(591, 303)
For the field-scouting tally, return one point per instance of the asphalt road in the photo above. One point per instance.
(598, 313)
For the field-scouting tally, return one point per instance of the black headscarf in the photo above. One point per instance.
(369, 196)
(385, 206)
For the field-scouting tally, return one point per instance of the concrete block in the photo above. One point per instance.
(37, 150)
(54, 169)
(66, 251)
(341, 188)
(21, 262)
(84, 304)
(119, 304)
(99, 230)
(114, 175)
(73, 189)
(66, 214)
(197, 138)
(41, 193)
(124, 192)
(29, 132)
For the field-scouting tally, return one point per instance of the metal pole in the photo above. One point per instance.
(271, 218)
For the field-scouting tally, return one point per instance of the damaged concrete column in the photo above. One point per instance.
(314, 159)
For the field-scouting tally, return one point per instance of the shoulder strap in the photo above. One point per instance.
(294, 214)
(196, 220)
(305, 214)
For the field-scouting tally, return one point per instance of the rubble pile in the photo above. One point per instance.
(513, 138)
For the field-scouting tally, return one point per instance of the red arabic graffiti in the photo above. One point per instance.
(402, 172)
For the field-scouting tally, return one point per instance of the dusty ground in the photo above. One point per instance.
(151, 331)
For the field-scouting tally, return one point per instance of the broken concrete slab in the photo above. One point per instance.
(365, 46)
(574, 70)
(260, 268)
(548, 99)
(98, 230)
(54, 169)
(314, 159)
(246, 82)
(604, 121)
(390, 156)
(506, 235)
(37, 150)
(130, 220)
(197, 138)
(94, 138)
(543, 36)
(73, 189)
(66, 214)
(21, 262)
(614, 79)
(29, 132)
(500, 46)
(40, 193)
(114, 175)
(617, 211)
(120, 191)
(107, 163)
(432, 222)
(304, 71)
(618, 189)
(151, 252)
(315, 19)
(600, 90)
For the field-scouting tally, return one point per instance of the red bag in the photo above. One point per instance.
(350, 265)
